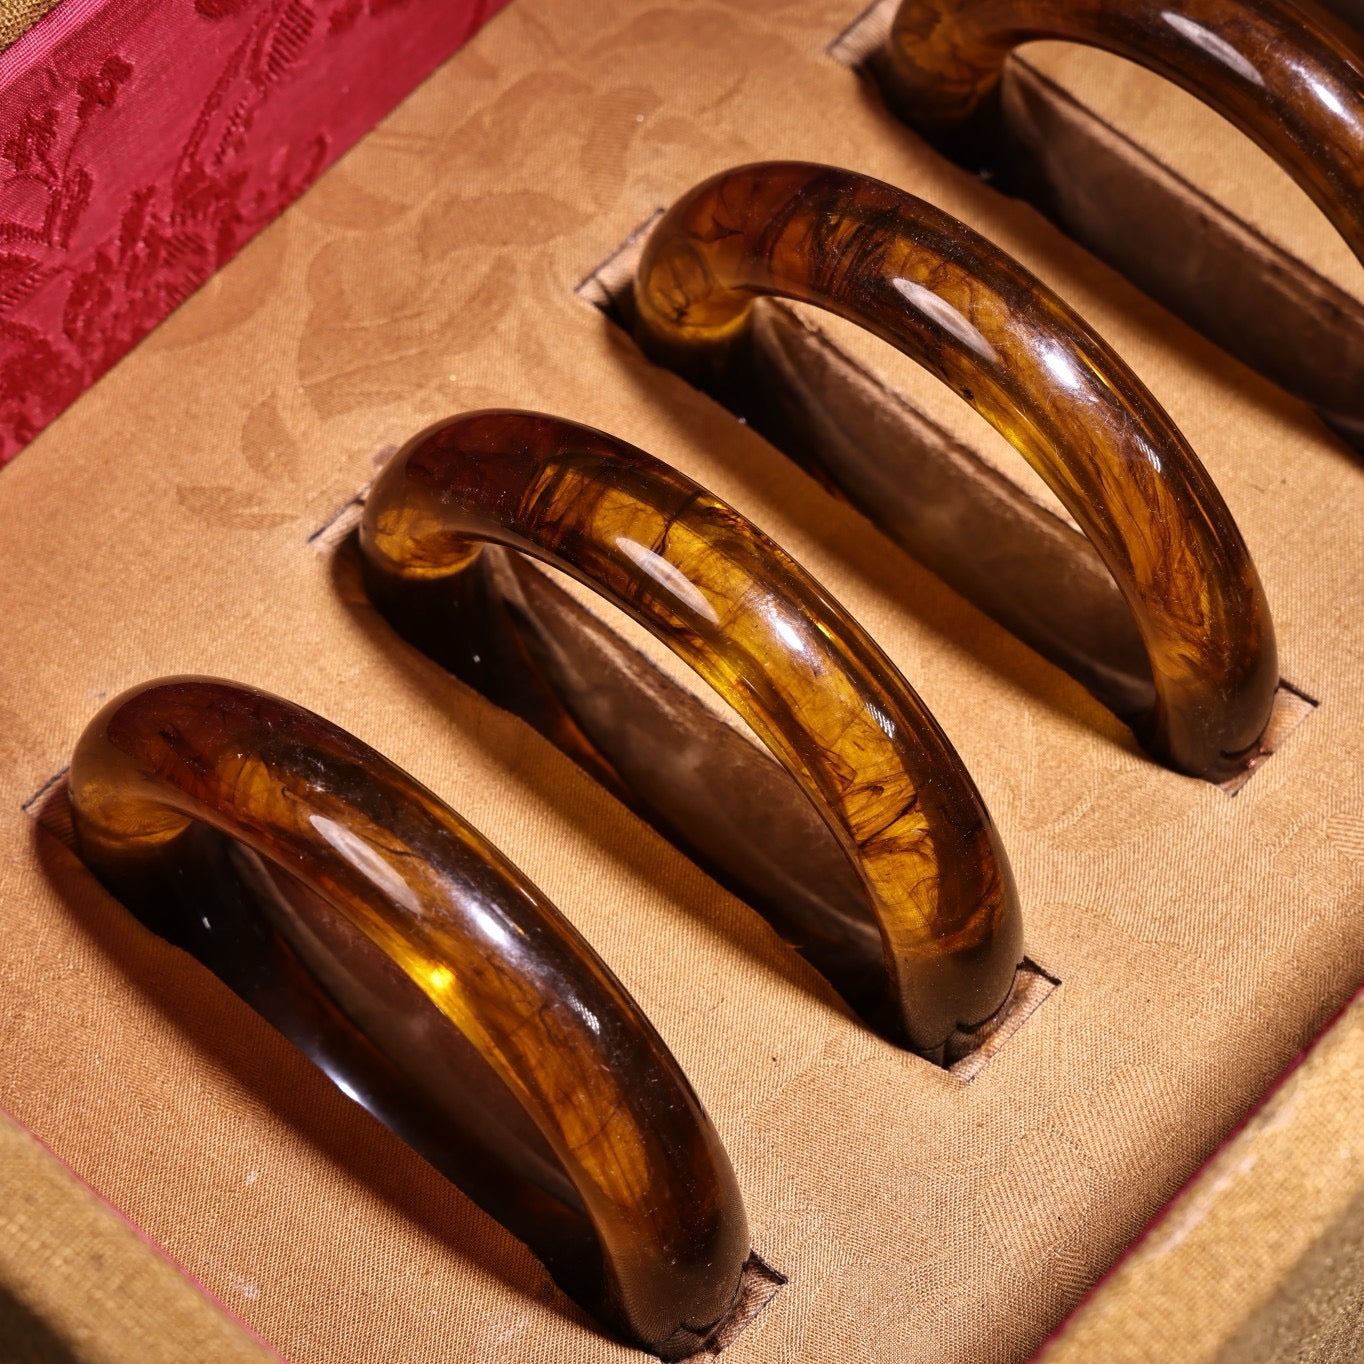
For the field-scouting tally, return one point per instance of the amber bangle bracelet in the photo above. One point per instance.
(576, 1087)
(975, 318)
(810, 683)
(1281, 74)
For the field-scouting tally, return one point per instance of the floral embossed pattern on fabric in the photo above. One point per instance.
(141, 145)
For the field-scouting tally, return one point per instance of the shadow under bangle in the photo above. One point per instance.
(973, 317)
(417, 933)
(1281, 74)
(810, 683)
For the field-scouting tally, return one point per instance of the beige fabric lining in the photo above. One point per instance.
(77, 1282)
(161, 525)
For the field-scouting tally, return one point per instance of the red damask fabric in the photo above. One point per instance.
(143, 142)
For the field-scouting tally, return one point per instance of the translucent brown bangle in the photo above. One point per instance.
(973, 317)
(819, 693)
(1281, 74)
(416, 932)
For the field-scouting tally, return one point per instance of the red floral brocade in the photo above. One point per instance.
(143, 143)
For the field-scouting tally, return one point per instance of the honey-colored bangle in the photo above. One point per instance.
(1279, 72)
(975, 318)
(752, 623)
(419, 934)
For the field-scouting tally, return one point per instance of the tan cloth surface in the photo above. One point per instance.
(162, 525)
(18, 16)
(77, 1282)
(1261, 1259)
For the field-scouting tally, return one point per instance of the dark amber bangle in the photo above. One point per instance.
(1283, 75)
(973, 317)
(426, 939)
(810, 683)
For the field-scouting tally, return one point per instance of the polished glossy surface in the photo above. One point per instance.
(752, 623)
(429, 977)
(976, 319)
(1289, 78)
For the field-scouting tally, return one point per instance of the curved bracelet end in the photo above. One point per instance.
(683, 320)
(925, 87)
(410, 536)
